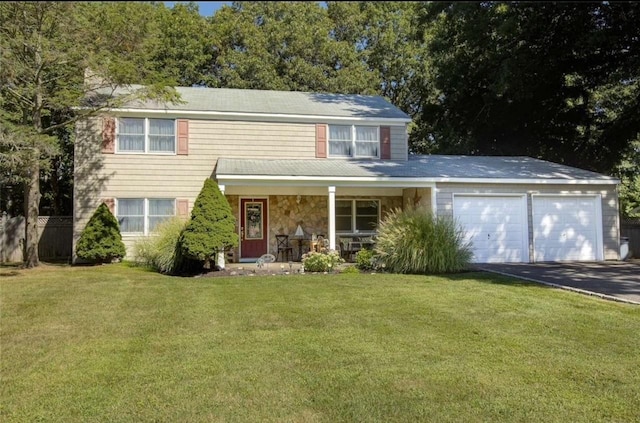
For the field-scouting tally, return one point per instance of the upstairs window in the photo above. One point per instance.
(354, 141)
(145, 135)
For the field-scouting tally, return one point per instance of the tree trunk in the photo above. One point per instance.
(31, 206)
(32, 191)
(220, 260)
(56, 201)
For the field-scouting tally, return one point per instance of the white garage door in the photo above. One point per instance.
(565, 228)
(495, 226)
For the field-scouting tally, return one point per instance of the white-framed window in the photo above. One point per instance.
(354, 141)
(130, 215)
(143, 215)
(146, 135)
(357, 216)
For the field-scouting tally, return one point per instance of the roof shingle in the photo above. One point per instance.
(277, 102)
(430, 166)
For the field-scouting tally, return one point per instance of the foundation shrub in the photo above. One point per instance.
(415, 241)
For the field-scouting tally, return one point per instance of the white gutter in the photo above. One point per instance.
(323, 181)
(402, 181)
(211, 113)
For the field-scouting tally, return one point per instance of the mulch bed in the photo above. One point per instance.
(252, 270)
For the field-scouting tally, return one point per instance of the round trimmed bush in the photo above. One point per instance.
(321, 261)
(365, 259)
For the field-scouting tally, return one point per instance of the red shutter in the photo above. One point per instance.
(111, 204)
(321, 140)
(108, 135)
(182, 205)
(385, 142)
(183, 137)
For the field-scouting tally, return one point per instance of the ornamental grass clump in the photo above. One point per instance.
(101, 241)
(161, 251)
(415, 241)
(321, 261)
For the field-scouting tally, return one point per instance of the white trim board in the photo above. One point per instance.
(398, 181)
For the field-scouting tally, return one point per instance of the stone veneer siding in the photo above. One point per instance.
(285, 214)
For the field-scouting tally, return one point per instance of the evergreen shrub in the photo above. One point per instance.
(212, 226)
(101, 241)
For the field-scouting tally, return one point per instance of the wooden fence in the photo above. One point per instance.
(54, 238)
(630, 228)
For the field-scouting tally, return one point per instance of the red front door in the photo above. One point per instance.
(253, 227)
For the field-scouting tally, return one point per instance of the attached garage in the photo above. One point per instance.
(520, 209)
(495, 226)
(567, 228)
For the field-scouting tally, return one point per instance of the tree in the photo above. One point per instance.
(211, 229)
(285, 46)
(629, 173)
(101, 241)
(46, 48)
(385, 36)
(182, 48)
(557, 81)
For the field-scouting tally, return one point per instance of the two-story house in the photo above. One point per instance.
(333, 165)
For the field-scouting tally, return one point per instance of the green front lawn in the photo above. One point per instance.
(119, 344)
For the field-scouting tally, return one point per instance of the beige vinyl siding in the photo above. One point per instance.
(252, 139)
(126, 175)
(399, 143)
(609, 203)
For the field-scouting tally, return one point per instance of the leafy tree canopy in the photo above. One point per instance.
(285, 46)
(558, 81)
(46, 49)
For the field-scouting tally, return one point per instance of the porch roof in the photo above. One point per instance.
(431, 168)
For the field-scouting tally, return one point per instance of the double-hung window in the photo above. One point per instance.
(146, 135)
(354, 141)
(143, 215)
(357, 216)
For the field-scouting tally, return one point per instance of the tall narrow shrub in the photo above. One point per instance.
(415, 241)
(101, 241)
(212, 226)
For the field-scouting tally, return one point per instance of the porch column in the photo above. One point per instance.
(332, 217)
(220, 259)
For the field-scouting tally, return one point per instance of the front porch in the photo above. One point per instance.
(346, 217)
(332, 198)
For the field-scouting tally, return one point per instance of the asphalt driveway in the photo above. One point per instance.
(616, 280)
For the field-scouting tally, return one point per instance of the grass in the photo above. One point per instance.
(119, 344)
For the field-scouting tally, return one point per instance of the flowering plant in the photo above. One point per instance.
(321, 261)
